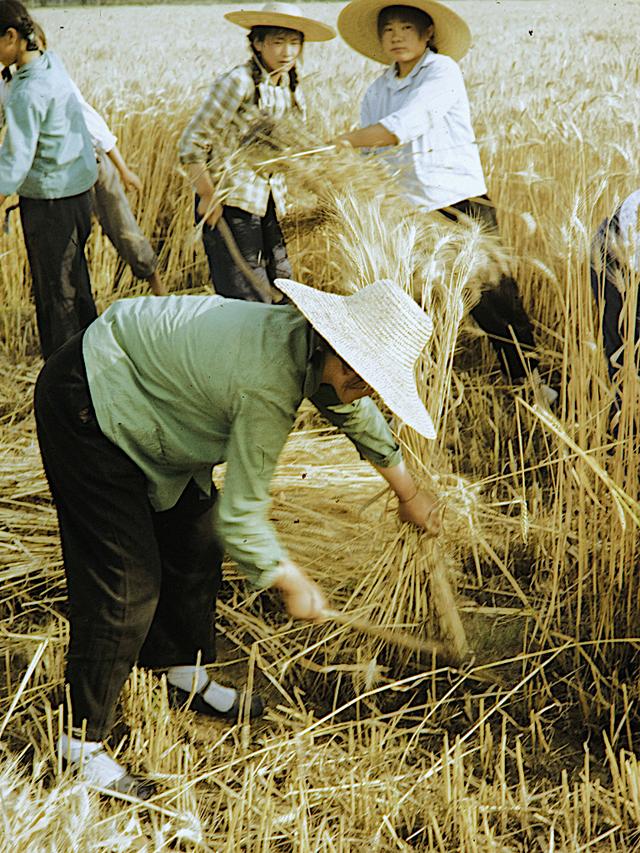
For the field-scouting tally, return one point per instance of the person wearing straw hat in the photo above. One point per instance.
(417, 114)
(243, 105)
(133, 414)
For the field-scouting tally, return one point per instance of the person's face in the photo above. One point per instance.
(350, 386)
(402, 43)
(279, 51)
(9, 44)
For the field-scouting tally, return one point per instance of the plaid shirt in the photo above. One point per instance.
(228, 115)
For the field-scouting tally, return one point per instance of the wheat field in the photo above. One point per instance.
(366, 745)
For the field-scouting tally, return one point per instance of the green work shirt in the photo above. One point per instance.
(183, 383)
(47, 152)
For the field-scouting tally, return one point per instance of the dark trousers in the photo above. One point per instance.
(500, 312)
(261, 244)
(608, 296)
(55, 233)
(142, 585)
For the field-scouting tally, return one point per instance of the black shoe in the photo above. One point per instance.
(183, 699)
(133, 785)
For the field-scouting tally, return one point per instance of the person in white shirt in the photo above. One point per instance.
(110, 204)
(615, 276)
(417, 114)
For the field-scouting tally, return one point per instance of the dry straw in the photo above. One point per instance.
(365, 745)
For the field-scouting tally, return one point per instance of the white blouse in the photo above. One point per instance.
(428, 111)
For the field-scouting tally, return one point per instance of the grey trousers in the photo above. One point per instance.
(112, 209)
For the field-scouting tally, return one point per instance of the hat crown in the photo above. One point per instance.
(282, 9)
(410, 328)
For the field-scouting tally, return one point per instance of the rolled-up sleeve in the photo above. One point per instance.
(258, 433)
(23, 120)
(214, 116)
(433, 98)
(363, 423)
(99, 131)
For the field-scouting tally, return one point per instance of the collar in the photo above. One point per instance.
(266, 75)
(31, 67)
(391, 74)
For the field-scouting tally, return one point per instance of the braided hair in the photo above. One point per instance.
(420, 20)
(257, 68)
(13, 15)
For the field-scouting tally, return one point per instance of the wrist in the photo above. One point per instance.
(406, 500)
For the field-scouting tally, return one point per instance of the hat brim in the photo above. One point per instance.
(358, 26)
(358, 340)
(312, 30)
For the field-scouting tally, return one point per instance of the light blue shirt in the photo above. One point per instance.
(437, 158)
(47, 150)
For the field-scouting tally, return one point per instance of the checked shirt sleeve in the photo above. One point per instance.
(218, 111)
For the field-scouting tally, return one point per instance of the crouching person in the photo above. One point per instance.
(132, 415)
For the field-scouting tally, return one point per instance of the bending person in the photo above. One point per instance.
(133, 414)
(417, 114)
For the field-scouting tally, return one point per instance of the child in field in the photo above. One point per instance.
(110, 203)
(417, 113)
(47, 158)
(615, 275)
(250, 203)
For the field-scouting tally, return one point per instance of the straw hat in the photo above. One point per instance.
(380, 332)
(286, 15)
(358, 26)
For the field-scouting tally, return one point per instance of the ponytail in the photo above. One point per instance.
(13, 15)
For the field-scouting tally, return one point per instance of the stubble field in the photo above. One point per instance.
(366, 746)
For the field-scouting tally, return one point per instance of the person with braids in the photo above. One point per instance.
(265, 89)
(110, 203)
(417, 114)
(47, 159)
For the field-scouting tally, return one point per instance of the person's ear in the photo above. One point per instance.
(430, 33)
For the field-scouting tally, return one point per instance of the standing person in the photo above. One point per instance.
(110, 203)
(615, 276)
(267, 86)
(417, 113)
(47, 158)
(133, 413)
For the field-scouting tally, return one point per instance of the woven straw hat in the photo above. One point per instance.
(380, 332)
(358, 26)
(286, 15)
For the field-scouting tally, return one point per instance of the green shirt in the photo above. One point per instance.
(47, 151)
(183, 383)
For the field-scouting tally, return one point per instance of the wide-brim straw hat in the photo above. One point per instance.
(285, 15)
(358, 26)
(380, 332)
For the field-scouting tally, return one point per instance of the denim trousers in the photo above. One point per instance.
(500, 312)
(261, 244)
(142, 585)
(55, 232)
